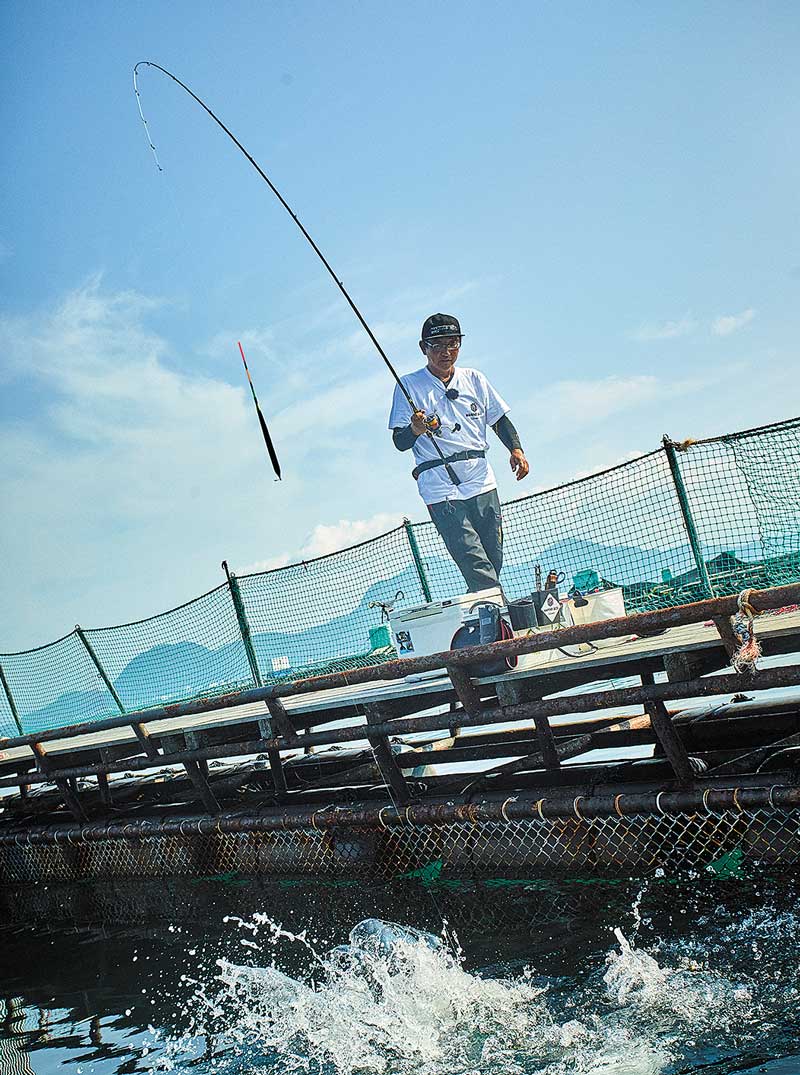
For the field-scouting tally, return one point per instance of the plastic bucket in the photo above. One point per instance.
(522, 614)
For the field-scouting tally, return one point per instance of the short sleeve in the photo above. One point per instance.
(496, 406)
(400, 414)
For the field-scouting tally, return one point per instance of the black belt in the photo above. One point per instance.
(429, 464)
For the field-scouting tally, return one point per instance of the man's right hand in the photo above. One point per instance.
(418, 423)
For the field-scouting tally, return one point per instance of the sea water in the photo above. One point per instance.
(233, 976)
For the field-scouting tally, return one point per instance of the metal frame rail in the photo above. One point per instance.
(278, 732)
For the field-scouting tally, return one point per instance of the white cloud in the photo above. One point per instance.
(129, 480)
(328, 538)
(571, 406)
(628, 457)
(724, 326)
(389, 334)
(581, 402)
(349, 403)
(664, 330)
(133, 469)
(588, 402)
(259, 346)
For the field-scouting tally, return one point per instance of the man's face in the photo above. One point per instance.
(441, 354)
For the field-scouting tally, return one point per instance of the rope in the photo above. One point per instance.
(746, 656)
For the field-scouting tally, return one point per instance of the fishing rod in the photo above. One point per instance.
(149, 63)
(267, 438)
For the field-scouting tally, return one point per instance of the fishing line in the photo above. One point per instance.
(149, 63)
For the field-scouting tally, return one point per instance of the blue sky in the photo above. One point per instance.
(606, 195)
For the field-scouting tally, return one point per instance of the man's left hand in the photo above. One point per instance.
(519, 464)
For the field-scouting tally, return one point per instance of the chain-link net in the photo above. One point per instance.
(623, 527)
(725, 843)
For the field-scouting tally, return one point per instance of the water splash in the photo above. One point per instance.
(397, 1001)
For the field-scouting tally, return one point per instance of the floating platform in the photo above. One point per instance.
(647, 753)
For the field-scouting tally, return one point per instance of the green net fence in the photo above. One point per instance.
(683, 522)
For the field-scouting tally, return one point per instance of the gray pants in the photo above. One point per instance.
(472, 531)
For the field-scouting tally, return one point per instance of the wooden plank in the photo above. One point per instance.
(668, 737)
(69, 793)
(281, 719)
(778, 634)
(202, 786)
(104, 790)
(550, 755)
(275, 763)
(465, 689)
(390, 771)
(142, 733)
(725, 630)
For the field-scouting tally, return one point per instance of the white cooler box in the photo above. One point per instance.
(426, 629)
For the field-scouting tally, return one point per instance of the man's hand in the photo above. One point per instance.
(519, 464)
(418, 423)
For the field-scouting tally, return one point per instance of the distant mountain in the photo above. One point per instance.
(184, 669)
(179, 670)
(72, 707)
(621, 564)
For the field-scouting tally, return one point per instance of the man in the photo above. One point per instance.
(455, 406)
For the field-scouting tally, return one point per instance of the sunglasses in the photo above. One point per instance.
(449, 343)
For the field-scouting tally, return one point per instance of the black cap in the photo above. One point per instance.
(440, 325)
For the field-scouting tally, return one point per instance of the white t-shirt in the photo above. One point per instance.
(463, 428)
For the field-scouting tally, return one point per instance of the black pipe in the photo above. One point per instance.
(709, 799)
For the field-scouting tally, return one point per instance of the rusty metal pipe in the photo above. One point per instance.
(711, 799)
(768, 678)
(761, 600)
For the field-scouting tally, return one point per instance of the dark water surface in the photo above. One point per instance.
(233, 976)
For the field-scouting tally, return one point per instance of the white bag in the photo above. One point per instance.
(604, 605)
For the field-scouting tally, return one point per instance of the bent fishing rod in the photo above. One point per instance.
(149, 63)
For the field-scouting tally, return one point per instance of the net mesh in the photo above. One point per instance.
(744, 492)
(725, 844)
(55, 685)
(623, 527)
(192, 651)
(317, 615)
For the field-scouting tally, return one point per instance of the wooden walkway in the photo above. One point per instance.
(363, 736)
(620, 659)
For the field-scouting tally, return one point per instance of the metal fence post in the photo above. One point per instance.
(10, 697)
(101, 671)
(420, 566)
(686, 512)
(244, 626)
